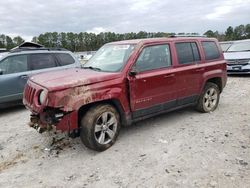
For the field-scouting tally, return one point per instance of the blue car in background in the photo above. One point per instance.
(17, 65)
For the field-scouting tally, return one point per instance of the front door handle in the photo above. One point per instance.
(24, 77)
(169, 75)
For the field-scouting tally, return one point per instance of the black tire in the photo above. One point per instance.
(93, 121)
(206, 98)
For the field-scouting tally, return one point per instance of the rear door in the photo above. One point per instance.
(13, 77)
(152, 89)
(190, 71)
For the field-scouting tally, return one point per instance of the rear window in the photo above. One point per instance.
(65, 59)
(42, 61)
(187, 52)
(211, 50)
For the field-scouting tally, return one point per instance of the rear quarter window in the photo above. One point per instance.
(65, 59)
(211, 50)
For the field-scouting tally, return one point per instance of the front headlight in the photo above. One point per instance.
(42, 97)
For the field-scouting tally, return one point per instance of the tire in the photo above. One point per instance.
(100, 127)
(209, 98)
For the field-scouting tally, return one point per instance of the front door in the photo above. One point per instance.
(152, 88)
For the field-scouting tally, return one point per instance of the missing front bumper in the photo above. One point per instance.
(54, 120)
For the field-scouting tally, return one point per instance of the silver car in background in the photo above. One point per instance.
(18, 65)
(225, 45)
(238, 57)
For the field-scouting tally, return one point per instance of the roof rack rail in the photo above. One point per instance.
(188, 35)
(20, 49)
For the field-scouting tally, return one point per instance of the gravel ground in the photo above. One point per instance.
(179, 149)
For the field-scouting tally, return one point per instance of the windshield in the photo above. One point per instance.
(239, 46)
(2, 55)
(225, 46)
(110, 58)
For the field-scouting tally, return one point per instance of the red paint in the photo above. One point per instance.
(69, 90)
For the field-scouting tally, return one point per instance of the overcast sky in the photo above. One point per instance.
(29, 18)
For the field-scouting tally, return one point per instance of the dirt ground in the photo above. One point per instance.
(179, 149)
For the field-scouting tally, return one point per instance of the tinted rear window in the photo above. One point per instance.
(42, 61)
(211, 50)
(65, 59)
(187, 52)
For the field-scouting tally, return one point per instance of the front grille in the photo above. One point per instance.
(238, 61)
(29, 94)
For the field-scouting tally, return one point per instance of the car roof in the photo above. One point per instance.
(8, 54)
(239, 41)
(38, 51)
(164, 39)
(234, 41)
(226, 42)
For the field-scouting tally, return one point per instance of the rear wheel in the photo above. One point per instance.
(209, 98)
(100, 127)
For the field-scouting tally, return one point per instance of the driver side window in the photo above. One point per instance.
(14, 64)
(154, 57)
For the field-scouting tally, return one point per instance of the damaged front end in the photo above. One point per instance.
(43, 116)
(54, 119)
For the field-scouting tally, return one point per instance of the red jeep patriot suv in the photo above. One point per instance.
(124, 82)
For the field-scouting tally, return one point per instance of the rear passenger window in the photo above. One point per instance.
(65, 59)
(42, 61)
(187, 52)
(154, 57)
(211, 50)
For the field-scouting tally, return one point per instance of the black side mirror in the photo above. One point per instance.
(133, 71)
(1, 72)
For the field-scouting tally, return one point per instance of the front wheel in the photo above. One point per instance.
(209, 98)
(100, 127)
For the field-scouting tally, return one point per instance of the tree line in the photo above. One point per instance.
(84, 41)
(237, 33)
(8, 42)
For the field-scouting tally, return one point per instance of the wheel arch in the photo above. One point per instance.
(217, 81)
(113, 102)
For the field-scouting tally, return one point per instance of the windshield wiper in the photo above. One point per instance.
(92, 68)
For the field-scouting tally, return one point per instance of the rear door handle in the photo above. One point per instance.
(169, 75)
(199, 70)
(24, 76)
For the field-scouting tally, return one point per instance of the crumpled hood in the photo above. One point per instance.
(72, 77)
(237, 55)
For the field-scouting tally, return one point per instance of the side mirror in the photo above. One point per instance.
(1, 72)
(133, 71)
